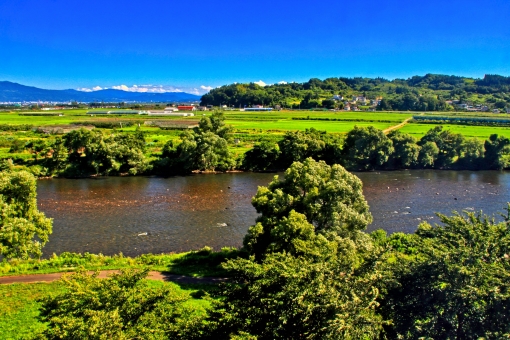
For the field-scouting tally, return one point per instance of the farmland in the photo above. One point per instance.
(248, 127)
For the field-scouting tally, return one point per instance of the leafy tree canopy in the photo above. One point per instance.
(24, 230)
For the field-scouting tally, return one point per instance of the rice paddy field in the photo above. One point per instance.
(480, 132)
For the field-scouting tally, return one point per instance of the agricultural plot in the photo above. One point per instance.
(293, 125)
(481, 132)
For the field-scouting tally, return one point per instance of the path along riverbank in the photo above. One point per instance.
(153, 275)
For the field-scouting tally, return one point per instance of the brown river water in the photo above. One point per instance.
(136, 215)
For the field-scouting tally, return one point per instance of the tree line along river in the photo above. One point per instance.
(136, 215)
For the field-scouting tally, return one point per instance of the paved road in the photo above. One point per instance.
(160, 276)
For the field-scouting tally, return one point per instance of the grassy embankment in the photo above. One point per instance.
(204, 262)
(21, 302)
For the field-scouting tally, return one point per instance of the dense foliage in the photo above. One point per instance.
(122, 307)
(419, 93)
(204, 148)
(24, 230)
(368, 148)
(450, 281)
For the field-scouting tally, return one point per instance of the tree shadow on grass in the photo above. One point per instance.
(202, 266)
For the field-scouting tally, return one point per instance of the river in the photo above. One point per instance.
(136, 215)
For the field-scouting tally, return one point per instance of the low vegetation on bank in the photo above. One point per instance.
(203, 262)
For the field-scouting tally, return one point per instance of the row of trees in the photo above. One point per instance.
(368, 148)
(309, 271)
(91, 152)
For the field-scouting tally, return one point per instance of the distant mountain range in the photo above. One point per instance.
(13, 92)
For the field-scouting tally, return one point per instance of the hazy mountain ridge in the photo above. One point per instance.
(14, 92)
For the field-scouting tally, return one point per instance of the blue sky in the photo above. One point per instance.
(187, 44)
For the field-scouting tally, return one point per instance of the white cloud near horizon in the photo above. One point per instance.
(260, 83)
(151, 89)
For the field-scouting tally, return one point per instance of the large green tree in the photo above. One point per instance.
(497, 151)
(366, 148)
(406, 150)
(330, 197)
(449, 145)
(24, 230)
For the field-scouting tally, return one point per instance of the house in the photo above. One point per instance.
(258, 108)
(171, 109)
(375, 102)
(186, 108)
(507, 110)
(484, 108)
(202, 108)
(338, 97)
(359, 99)
(463, 106)
(495, 111)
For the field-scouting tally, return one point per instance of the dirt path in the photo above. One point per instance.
(395, 127)
(159, 276)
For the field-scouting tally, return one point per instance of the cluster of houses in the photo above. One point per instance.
(473, 108)
(352, 105)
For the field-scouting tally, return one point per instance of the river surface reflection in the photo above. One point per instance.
(111, 215)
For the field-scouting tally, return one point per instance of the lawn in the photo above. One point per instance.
(20, 305)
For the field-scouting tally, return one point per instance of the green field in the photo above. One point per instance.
(20, 305)
(480, 132)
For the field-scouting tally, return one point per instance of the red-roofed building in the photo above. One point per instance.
(186, 108)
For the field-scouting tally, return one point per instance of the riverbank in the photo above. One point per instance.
(196, 264)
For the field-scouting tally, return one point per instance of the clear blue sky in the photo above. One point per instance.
(75, 43)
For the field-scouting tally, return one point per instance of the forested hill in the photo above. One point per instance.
(432, 92)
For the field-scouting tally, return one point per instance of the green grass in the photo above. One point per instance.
(293, 125)
(20, 305)
(481, 132)
(20, 308)
(199, 263)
